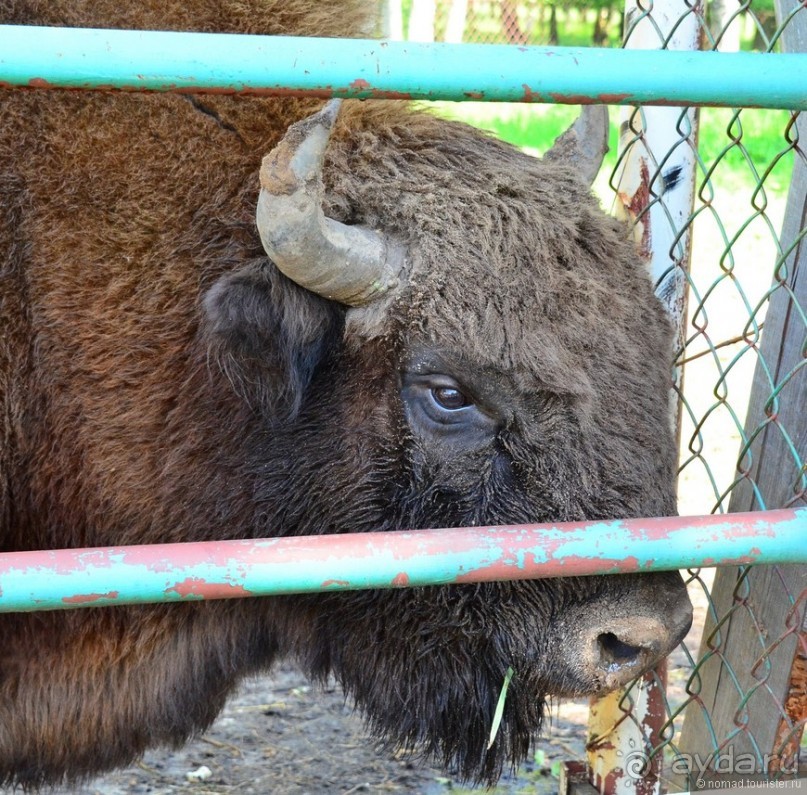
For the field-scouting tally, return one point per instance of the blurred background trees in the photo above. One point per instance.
(731, 24)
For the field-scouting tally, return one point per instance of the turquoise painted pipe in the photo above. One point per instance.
(197, 62)
(62, 579)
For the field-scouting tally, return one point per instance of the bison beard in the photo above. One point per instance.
(161, 380)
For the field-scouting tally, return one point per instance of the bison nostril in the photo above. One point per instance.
(616, 653)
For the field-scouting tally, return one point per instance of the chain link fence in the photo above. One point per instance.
(735, 697)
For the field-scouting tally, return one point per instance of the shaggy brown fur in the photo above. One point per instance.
(161, 381)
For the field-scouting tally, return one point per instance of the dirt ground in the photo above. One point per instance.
(282, 736)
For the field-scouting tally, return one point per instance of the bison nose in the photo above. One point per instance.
(621, 650)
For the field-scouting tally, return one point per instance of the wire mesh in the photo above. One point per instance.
(737, 704)
(742, 708)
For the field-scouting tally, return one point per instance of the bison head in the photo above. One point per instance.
(459, 336)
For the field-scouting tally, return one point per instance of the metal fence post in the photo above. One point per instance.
(655, 189)
(754, 646)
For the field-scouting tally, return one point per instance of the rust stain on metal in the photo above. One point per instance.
(572, 774)
(613, 730)
(625, 565)
(362, 86)
(38, 82)
(610, 782)
(433, 541)
(654, 718)
(587, 99)
(530, 95)
(80, 560)
(509, 569)
(600, 745)
(332, 583)
(400, 580)
(788, 735)
(158, 559)
(499, 570)
(637, 205)
(739, 560)
(89, 598)
(324, 92)
(197, 587)
(384, 94)
(613, 99)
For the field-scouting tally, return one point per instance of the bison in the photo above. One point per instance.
(437, 330)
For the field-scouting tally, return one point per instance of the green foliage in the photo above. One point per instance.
(573, 23)
(760, 133)
(761, 140)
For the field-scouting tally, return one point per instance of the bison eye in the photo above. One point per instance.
(438, 407)
(450, 398)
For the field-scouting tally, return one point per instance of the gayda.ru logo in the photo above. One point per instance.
(701, 770)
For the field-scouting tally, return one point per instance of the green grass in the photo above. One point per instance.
(762, 136)
(535, 127)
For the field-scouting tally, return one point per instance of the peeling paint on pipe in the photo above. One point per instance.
(61, 579)
(38, 57)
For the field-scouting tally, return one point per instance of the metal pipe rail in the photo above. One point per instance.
(39, 57)
(61, 579)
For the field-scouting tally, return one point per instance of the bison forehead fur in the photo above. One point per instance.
(161, 380)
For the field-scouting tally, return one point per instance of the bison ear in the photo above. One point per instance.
(267, 335)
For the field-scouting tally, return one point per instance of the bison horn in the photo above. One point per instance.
(585, 143)
(349, 264)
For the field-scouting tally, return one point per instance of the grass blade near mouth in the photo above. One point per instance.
(497, 715)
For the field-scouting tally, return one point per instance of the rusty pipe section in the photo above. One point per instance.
(59, 579)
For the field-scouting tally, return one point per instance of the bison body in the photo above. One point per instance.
(161, 381)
